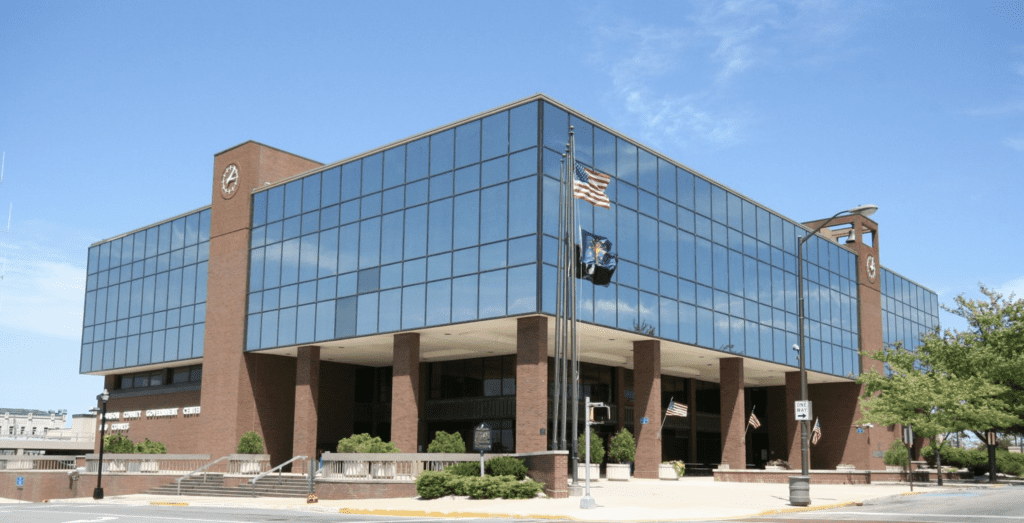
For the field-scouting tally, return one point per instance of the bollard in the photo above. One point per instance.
(799, 490)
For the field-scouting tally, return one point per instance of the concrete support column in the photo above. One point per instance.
(307, 399)
(647, 382)
(405, 392)
(532, 384)
(792, 425)
(734, 409)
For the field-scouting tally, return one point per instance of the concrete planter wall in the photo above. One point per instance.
(617, 472)
(595, 471)
(667, 471)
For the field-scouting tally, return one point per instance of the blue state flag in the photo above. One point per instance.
(597, 263)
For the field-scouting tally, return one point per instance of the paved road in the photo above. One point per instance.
(1001, 505)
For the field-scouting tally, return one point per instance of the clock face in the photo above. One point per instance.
(229, 181)
(871, 267)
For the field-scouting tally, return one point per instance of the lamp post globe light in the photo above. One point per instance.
(102, 398)
(799, 486)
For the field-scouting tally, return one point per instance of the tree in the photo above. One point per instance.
(250, 443)
(955, 381)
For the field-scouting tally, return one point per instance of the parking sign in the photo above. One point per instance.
(20, 481)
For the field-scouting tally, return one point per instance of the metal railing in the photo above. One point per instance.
(394, 467)
(24, 462)
(46, 437)
(278, 468)
(168, 464)
(198, 470)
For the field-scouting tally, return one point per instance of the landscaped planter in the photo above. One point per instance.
(595, 471)
(667, 471)
(893, 468)
(774, 467)
(617, 472)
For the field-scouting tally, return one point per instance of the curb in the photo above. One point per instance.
(424, 513)
(169, 503)
(792, 510)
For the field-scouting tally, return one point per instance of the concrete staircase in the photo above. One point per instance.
(283, 486)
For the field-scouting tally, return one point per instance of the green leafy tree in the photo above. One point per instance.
(251, 443)
(622, 447)
(366, 444)
(151, 447)
(447, 443)
(596, 448)
(118, 444)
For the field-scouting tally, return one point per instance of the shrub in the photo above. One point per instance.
(1008, 463)
(151, 447)
(506, 466)
(251, 443)
(432, 485)
(897, 455)
(488, 487)
(523, 490)
(118, 444)
(459, 485)
(466, 468)
(596, 448)
(679, 467)
(447, 443)
(365, 444)
(622, 447)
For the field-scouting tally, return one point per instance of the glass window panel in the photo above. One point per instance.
(394, 166)
(415, 271)
(308, 257)
(719, 206)
(369, 206)
(369, 280)
(170, 347)
(307, 292)
(647, 165)
(464, 298)
(372, 173)
(306, 324)
(604, 305)
(289, 261)
(390, 311)
(391, 276)
(495, 135)
(369, 243)
(628, 308)
(413, 306)
(441, 186)
(185, 342)
(648, 280)
(556, 127)
(345, 318)
(627, 274)
(523, 214)
(310, 192)
(494, 171)
(310, 222)
(550, 203)
(467, 179)
(293, 198)
(648, 243)
(627, 233)
(522, 250)
(439, 302)
(289, 296)
(522, 289)
(439, 266)
(467, 220)
(492, 294)
(523, 126)
(494, 221)
(465, 262)
(286, 326)
(394, 199)
(626, 161)
(440, 234)
(442, 148)
(522, 164)
(649, 311)
(164, 243)
(467, 143)
(292, 228)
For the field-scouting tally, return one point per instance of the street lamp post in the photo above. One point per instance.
(799, 486)
(98, 492)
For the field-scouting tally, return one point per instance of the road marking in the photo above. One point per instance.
(960, 516)
(144, 517)
(91, 520)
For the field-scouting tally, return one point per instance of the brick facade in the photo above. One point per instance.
(647, 382)
(531, 384)
(406, 400)
(307, 395)
(733, 416)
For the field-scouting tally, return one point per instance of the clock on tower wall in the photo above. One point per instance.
(229, 181)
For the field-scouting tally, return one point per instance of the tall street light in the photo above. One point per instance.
(799, 486)
(98, 492)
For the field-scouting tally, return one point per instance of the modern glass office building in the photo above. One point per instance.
(411, 289)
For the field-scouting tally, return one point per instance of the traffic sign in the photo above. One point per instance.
(803, 410)
(20, 481)
(644, 421)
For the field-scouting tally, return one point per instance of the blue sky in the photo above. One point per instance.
(110, 113)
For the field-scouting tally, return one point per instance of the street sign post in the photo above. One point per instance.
(803, 410)
(482, 442)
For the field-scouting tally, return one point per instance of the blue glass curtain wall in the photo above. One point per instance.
(439, 230)
(697, 263)
(145, 296)
(909, 310)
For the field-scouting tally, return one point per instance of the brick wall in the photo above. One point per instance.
(531, 384)
(647, 385)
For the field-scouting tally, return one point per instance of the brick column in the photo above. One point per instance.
(733, 417)
(307, 399)
(792, 425)
(532, 384)
(647, 385)
(405, 392)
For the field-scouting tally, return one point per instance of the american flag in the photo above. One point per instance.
(589, 185)
(815, 432)
(674, 409)
(753, 421)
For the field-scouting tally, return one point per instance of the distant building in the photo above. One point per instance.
(38, 432)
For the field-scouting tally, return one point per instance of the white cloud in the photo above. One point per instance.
(1015, 143)
(1015, 287)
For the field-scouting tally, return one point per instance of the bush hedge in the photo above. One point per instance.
(118, 444)
(250, 443)
(366, 444)
(596, 448)
(466, 468)
(897, 455)
(506, 466)
(447, 443)
(150, 447)
(976, 460)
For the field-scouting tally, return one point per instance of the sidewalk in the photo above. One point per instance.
(697, 498)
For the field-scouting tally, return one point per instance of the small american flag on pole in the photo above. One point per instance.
(674, 409)
(753, 421)
(589, 185)
(815, 432)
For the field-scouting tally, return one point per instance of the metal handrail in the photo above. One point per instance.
(200, 469)
(277, 468)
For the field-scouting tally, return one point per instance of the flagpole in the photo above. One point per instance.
(575, 345)
(665, 417)
(563, 240)
(558, 323)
